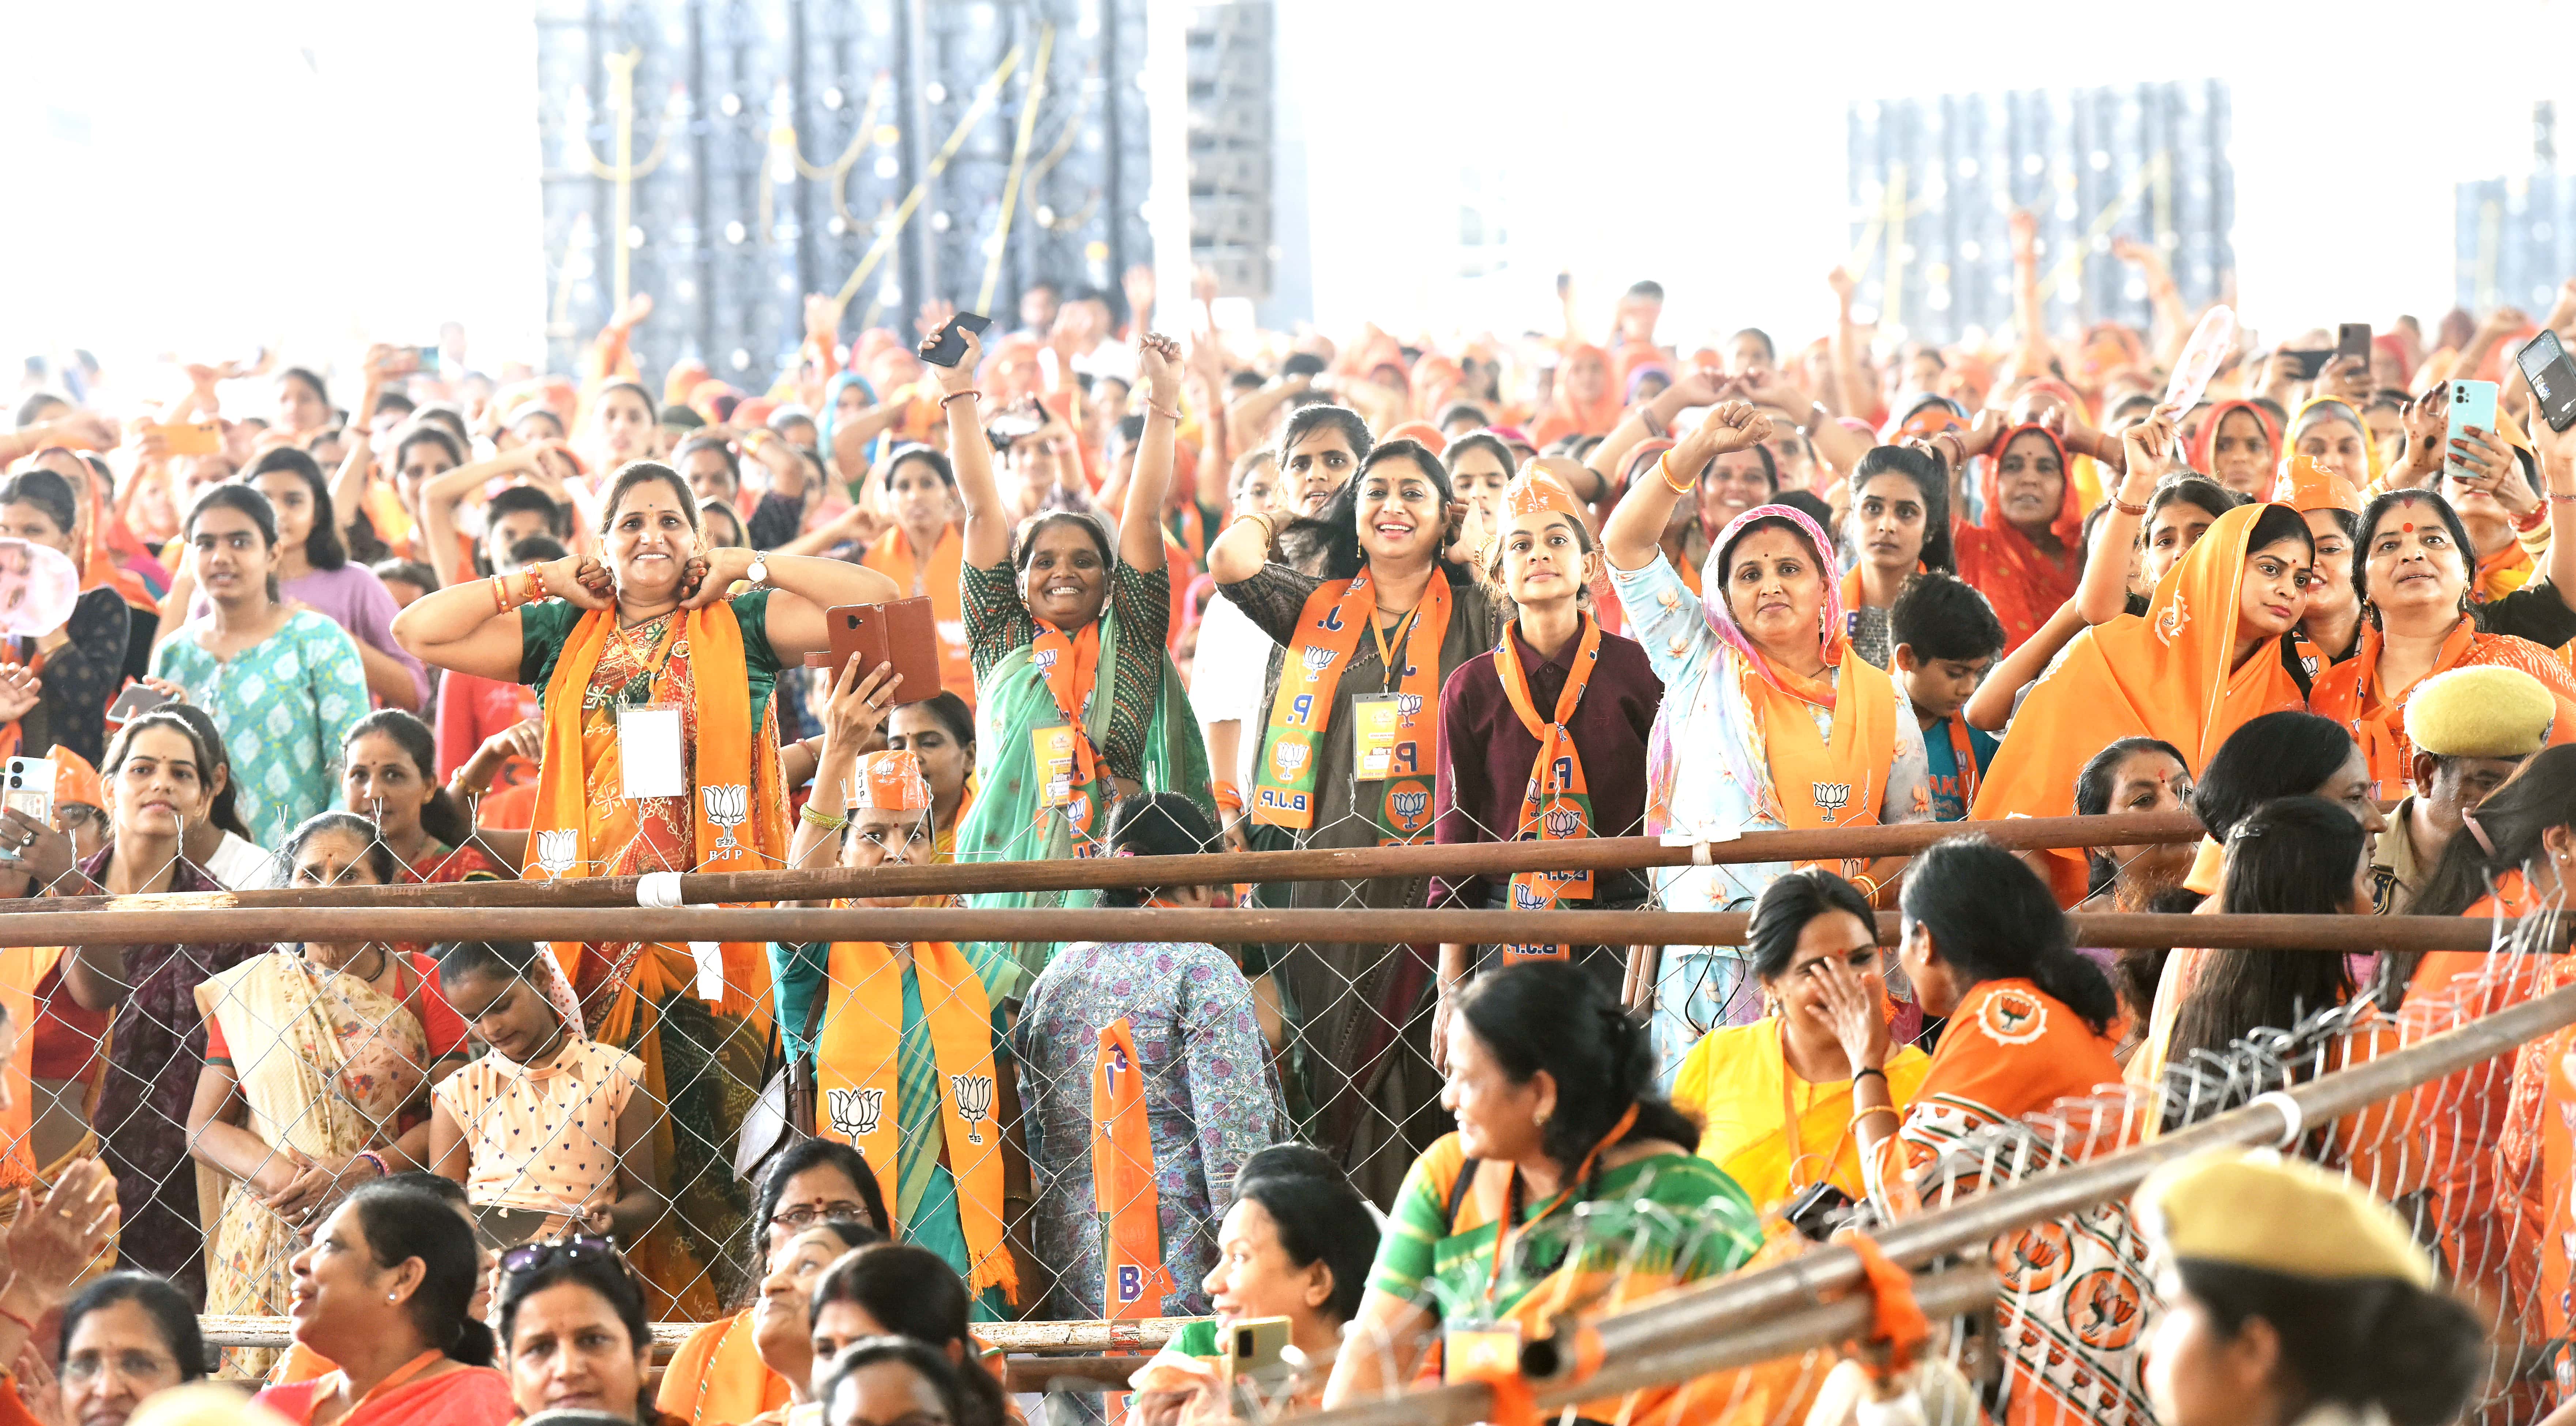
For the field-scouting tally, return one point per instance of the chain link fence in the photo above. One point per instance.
(235, 1089)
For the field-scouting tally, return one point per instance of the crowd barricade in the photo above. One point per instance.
(1364, 1104)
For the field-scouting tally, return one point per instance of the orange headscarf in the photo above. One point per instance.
(2304, 485)
(1423, 431)
(98, 566)
(1566, 416)
(2165, 675)
(2024, 585)
(1435, 379)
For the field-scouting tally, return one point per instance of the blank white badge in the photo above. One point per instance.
(648, 751)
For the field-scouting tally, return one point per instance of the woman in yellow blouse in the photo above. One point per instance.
(1774, 1098)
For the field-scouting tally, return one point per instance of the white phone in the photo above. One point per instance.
(27, 786)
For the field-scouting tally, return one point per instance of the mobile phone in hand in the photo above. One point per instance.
(948, 345)
(2352, 339)
(2306, 364)
(2473, 403)
(27, 788)
(2552, 376)
(192, 438)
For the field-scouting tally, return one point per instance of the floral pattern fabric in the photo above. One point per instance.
(284, 706)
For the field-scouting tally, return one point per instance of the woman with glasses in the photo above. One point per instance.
(383, 1291)
(126, 1337)
(717, 1378)
(573, 1334)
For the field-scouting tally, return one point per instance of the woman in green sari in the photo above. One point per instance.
(1564, 1192)
(1076, 701)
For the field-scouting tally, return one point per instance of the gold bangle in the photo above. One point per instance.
(969, 391)
(1664, 468)
(824, 820)
(1867, 1110)
(1867, 887)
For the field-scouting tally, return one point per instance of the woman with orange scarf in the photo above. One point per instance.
(2414, 577)
(2025, 552)
(1785, 723)
(1585, 399)
(2203, 660)
(660, 755)
(2499, 1148)
(924, 553)
(2238, 446)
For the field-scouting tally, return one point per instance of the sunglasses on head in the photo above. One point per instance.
(529, 1257)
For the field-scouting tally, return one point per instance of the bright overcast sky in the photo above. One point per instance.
(316, 174)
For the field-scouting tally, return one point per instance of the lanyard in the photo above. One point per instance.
(1573, 1191)
(1386, 648)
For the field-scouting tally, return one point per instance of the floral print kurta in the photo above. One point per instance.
(1211, 1100)
(285, 706)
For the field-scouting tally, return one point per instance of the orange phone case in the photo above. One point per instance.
(193, 438)
(903, 632)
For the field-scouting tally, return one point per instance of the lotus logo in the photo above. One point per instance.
(855, 1112)
(1526, 898)
(1408, 805)
(1046, 663)
(726, 809)
(1291, 757)
(974, 1094)
(1561, 821)
(1408, 704)
(556, 850)
(1832, 797)
(1315, 657)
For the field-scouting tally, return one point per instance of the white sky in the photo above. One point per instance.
(314, 174)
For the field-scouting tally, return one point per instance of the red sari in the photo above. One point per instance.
(2025, 585)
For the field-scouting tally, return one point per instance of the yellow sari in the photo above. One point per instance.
(1737, 1082)
(337, 1062)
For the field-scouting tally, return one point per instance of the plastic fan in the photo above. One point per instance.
(2211, 341)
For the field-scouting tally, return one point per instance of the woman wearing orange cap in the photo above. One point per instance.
(2414, 576)
(2332, 508)
(2202, 661)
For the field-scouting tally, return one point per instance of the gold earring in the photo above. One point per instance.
(1542, 1117)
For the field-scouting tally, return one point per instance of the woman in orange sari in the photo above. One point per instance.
(660, 755)
(2025, 552)
(2414, 575)
(2499, 1146)
(1585, 400)
(383, 1292)
(2203, 661)
(2029, 1025)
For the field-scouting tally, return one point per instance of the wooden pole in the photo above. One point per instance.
(1456, 859)
(2337, 934)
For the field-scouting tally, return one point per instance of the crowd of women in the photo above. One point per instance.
(1195, 598)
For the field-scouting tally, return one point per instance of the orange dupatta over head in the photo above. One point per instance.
(735, 776)
(2165, 675)
(2024, 585)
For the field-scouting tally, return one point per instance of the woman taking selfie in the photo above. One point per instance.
(329, 1088)
(1770, 718)
(1067, 631)
(655, 625)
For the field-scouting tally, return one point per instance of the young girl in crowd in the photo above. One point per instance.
(1543, 736)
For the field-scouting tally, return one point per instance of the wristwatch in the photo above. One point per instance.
(758, 572)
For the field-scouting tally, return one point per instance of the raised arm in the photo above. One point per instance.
(2103, 593)
(1652, 420)
(1991, 706)
(1859, 397)
(988, 525)
(2558, 480)
(2028, 311)
(1633, 537)
(463, 626)
(1249, 416)
(1140, 523)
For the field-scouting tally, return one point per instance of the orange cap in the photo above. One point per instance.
(1535, 491)
(2305, 485)
(1422, 431)
(75, 780)
(892, 782)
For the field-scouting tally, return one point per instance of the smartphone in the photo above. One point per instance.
(137, 700)
(2306, 364)
(902, 632)
(2473, 403)
(947, 347)
(2552, 376)
(502, 1229)
(27, 788)
(2352, 339)
(193, 438)
(425, 359)
(1255, 1350)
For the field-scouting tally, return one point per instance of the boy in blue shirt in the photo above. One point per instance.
(1946, 637)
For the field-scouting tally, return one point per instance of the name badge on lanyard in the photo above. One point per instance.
(1377, 725)
(1480, 1351)
(1053, 748)
(648, 751)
